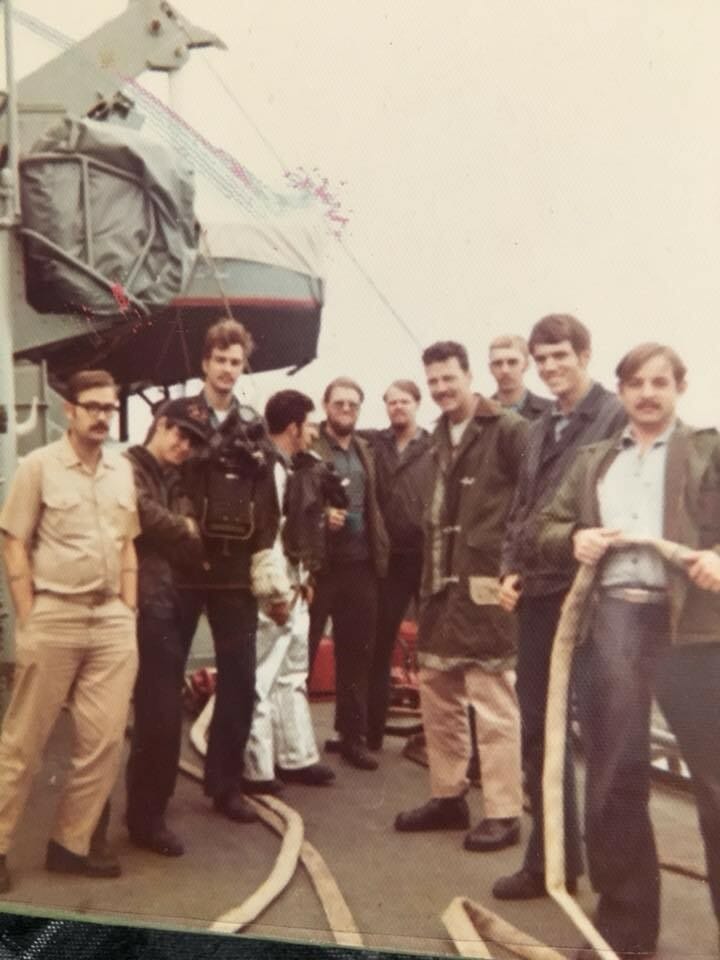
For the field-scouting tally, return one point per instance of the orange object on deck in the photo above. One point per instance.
(322, 679)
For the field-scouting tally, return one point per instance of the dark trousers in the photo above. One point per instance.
(538, 618)
(396, 591)
(615, 679)
(232, 615)
(155, 746)
(348, 593)
(688, 691)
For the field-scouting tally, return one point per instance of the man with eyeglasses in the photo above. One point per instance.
(357, 550)
(69, 521)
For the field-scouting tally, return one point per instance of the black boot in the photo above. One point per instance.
(493, 834)
(440, 813)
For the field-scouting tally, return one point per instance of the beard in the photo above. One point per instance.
(341, 429)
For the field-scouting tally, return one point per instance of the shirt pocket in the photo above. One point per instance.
(63, 513)
(122, 512)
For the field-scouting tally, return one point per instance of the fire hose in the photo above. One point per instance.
(469, 922)
(294, 848)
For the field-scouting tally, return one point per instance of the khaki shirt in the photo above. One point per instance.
(73, 522)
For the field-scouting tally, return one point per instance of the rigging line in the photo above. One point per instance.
(381, 296)
(224, 177)
(253, 124)
(206, 254)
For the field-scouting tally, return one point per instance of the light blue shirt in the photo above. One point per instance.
(632, 499)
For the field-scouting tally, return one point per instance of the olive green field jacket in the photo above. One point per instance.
(691, 517)
(472, 488)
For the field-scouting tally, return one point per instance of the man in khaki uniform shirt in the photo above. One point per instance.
(69, 522)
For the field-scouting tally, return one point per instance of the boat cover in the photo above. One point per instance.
(108, 220)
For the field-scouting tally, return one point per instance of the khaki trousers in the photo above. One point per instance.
(84, 652)
(444, 698)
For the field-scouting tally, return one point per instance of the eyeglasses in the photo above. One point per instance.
(350, 404)
(96, 409)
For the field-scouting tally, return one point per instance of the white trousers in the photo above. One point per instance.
(281, 731)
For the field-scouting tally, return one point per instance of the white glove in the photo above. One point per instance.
(268, 576)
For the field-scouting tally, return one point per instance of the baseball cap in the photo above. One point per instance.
(188, 414)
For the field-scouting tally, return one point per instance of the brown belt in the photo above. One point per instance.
(635, 594)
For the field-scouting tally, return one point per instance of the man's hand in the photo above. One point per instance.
(591, 544)
(279, 612)
(510, 591)
(192, 526)
(335, 518)
(704, 569)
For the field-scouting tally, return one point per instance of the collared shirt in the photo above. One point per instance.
(512, 406)
(632, 499)
(350, 542)
(561, 420)
(73, 521)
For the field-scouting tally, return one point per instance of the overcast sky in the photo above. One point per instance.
(496, 160)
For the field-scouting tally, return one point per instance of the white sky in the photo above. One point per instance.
(498, 160)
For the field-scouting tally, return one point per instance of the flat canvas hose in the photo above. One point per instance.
(288, 824)
(573, 608)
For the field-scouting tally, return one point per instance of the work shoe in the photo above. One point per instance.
(493, 833)
(315, 775)
(357, 755)
(440, 813)
(160, 840)
(235, 807)
(525, 885)
(5, 881)
(263, 786)
(61, 860)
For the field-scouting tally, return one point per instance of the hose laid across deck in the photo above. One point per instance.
(287, 823)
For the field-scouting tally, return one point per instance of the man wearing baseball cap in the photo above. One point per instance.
(169, 539)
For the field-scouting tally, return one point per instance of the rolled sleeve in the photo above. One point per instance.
(21, 511)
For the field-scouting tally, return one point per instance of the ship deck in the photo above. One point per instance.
(396, 885)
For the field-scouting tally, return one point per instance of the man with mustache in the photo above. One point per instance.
(356, 557)
(69, 522)
(230, 483)
(582, 413)
(466, 641)
(653, 630)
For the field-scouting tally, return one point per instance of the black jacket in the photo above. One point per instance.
(532, 406)
(377, 534)
(251, 496)
(545, 464)
(403, 486)
(165, 545)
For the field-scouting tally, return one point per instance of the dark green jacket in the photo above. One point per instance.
(379, 543)
(464, 525)
(691, 517)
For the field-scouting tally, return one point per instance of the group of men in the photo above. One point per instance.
(273, 528)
